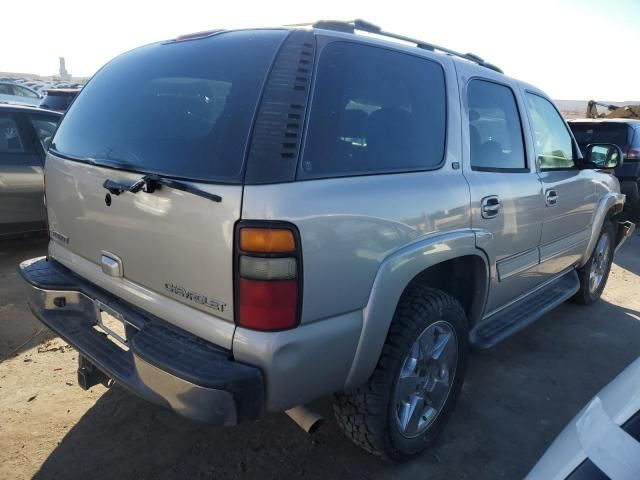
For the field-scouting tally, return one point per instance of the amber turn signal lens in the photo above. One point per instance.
(267, 240)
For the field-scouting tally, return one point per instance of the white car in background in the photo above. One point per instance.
(11, 92)
(603, 440)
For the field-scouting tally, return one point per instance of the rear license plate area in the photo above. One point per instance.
(112, 324)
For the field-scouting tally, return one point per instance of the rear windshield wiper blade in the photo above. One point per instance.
(152, 182)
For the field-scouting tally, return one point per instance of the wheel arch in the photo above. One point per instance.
(447, 262)
(610, 205)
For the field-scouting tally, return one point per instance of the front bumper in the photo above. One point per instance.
(163, 364)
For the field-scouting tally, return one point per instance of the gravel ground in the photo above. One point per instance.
(515, 400)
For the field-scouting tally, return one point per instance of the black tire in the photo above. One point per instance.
(587, 295)
(367, 414)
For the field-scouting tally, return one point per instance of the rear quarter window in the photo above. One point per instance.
(374, 111)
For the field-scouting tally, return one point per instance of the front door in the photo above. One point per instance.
(506, 194)
(570, 195)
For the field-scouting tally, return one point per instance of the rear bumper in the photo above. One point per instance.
(163, 364)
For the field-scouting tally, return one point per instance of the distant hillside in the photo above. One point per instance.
(578, 108)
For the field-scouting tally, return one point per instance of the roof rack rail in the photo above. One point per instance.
(364, 26)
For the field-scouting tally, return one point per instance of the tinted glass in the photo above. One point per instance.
(10, 141)
(24, 92)
(56, 102)
(374, 110)
(44, 128)
(586, 133)
(180, 109)
(553, 141)
(6, 89)
(495, 131)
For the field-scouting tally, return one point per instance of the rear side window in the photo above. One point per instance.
(180, 109)
(495, 131)
(373, 111)
(587, 133)
(554, 145)
(44, 128)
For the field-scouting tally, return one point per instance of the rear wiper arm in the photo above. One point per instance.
(152, 182)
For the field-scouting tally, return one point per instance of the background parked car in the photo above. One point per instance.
(14, 93)
(59, 99)
(626, 134)
(25, 133)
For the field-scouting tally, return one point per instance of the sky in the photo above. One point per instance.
(571, 49)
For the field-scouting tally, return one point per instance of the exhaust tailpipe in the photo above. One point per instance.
(306, 419)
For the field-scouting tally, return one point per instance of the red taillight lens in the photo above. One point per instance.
(267, 305)
(268, 272)
(632, 154)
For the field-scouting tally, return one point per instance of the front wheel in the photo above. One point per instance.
(413, 390)
(594, 274)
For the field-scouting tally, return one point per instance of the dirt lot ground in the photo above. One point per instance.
(516, 399)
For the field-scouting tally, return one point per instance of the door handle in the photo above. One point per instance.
(490, 206)
(551, 198)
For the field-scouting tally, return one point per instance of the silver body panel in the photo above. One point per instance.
(175, 247)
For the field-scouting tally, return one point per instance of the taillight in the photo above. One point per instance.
(632, 154)
(268, 276)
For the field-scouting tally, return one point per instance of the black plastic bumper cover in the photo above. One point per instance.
(164, 364)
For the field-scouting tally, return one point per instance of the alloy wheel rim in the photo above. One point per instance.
(600, 263)
(425, 379)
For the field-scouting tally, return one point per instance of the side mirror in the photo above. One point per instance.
(603, 155)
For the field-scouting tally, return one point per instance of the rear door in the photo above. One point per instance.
(506, 193)
(570, 194)
(183, 111)
(21, 184)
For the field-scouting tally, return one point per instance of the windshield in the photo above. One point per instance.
(179, 109)
(587, 133)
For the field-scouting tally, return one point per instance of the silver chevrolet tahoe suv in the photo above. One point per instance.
(244, 221)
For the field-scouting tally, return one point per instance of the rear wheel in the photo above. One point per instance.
(594, 274)
(411, 394)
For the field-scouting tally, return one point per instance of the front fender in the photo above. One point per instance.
(611, 200)
(395, 273)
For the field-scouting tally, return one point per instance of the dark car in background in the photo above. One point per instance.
(25, 133)
(59, 99)
(626, 134)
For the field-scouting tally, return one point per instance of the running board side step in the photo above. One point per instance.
(525, 311)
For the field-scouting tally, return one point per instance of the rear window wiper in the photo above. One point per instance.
(152, 182)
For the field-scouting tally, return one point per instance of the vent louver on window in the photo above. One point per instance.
(277, 133)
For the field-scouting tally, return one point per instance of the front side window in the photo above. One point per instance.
(553, 142)
(495, 131)
(10, 141)
(374, 110)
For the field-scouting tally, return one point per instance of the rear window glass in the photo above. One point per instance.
(57, 102)
(374, 110)
(586, 133)
(180, 109)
